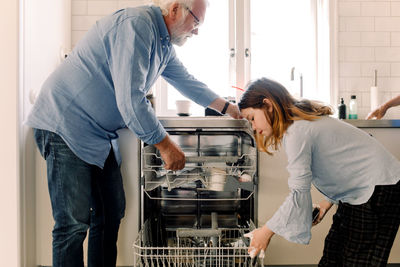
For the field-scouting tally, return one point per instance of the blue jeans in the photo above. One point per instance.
(83, 197)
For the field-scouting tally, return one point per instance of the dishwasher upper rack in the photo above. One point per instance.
(230, 250)
(205, 169)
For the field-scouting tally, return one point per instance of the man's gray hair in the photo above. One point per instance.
(165, 4)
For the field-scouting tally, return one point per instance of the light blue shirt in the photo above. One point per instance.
(344, 163)
(102, 85)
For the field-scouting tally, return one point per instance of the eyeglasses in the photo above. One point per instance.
(193, 15)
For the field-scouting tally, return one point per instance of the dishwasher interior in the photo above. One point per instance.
(197, 216)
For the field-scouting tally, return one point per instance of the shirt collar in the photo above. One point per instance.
(162, 27)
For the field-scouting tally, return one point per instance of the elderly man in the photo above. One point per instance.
(101, 87)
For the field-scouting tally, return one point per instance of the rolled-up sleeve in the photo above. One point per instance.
(177, 75)
(293, 218)
(130, 51)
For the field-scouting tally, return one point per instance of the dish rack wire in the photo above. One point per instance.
(197, 168)
(225, 247)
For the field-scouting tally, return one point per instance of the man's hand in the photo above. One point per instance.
(173, 156)
(233, 111)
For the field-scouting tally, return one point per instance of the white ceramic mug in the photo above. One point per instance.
(183, 107)
(217, 179)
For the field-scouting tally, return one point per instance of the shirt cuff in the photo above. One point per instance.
(154, 137)
(289, 234)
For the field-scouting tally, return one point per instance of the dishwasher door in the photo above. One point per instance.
(197, 216)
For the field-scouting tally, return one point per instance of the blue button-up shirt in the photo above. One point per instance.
(101, 86)
(344, 163)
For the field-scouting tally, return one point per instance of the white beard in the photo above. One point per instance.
(178, 37)
(179, 40)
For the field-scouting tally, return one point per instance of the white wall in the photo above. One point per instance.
(9, 166)
(369, 39)
(86, 12)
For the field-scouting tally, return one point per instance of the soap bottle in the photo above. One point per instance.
(353, 108)
(342, 109)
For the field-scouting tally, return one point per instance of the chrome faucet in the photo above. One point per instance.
(292, 74)
(301, 80)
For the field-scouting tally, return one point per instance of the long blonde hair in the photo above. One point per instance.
(285, 109)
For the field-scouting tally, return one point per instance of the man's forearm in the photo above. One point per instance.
(218, 104)
(164, 143)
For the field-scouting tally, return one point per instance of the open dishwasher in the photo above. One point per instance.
(198, 216)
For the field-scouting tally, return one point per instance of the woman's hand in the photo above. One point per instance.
(323, 206)
(259, 240)
(377, 113)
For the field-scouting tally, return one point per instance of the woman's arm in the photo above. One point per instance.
(381, 110)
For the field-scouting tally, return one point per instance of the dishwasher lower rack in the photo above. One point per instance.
(223, 247)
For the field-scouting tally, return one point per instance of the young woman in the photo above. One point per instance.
(345, 164)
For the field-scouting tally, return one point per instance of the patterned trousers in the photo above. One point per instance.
(363, 235)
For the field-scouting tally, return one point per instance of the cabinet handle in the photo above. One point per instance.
(247, 52)
(232, 52)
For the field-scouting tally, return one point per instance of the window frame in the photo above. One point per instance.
(240, 52)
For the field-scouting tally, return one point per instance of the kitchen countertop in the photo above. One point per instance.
(202, 122)
(375, 123)
(225, 121)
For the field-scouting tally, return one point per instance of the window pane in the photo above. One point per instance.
(206, 56)
(282, 37)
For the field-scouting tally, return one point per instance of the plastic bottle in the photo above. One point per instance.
(342, 109)
(353, 108)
